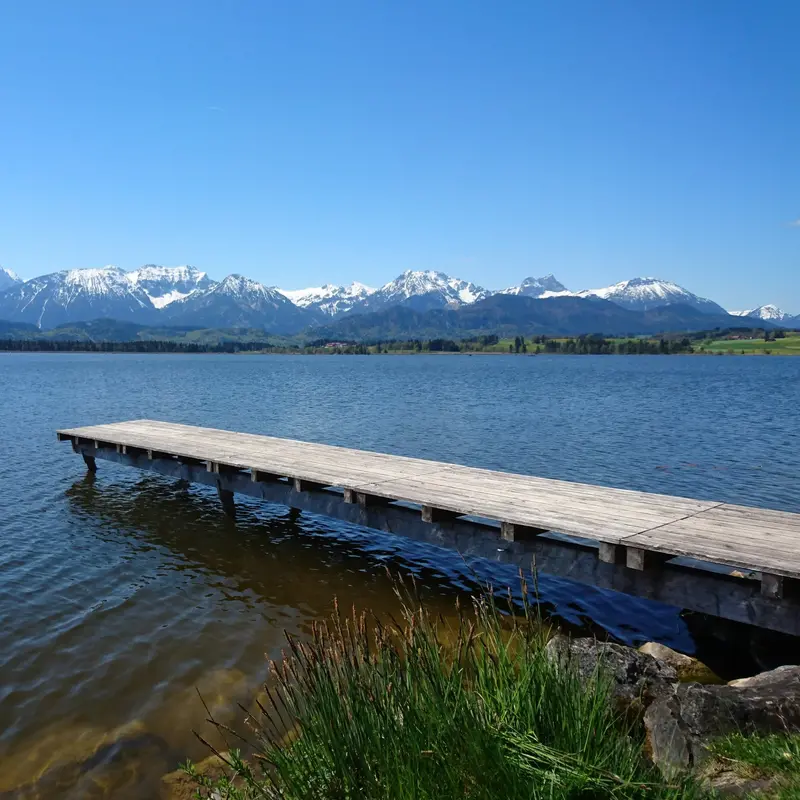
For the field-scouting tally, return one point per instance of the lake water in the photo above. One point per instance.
(122, 595)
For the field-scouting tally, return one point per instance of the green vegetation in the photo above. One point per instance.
(776, 756)
(476, 711)
(105, 336)
(788, 344)
(593, 344)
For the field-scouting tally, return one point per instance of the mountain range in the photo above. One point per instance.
(186, 296)
(770, 313)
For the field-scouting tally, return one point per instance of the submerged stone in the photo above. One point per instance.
(78, 761)
(689, 669)
(178, 785)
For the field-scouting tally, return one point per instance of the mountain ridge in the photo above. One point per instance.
(237, 301)
(771, 313)
(504, 315)
(154, 294)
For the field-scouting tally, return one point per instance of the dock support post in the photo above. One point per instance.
(91, 464)
(772, 586)
(352, 497)
(610, 553)
(636, 558)
(302, 485)
(432, 515)
(228, 504)
(511, 532)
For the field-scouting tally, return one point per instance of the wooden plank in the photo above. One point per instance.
(764, 540)
(734, 597)
(638, 524)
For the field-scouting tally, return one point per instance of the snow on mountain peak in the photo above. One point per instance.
(155, 272)
(76, 295)
(643, 294)
(315, 294)
(767, 312)
(419, 282)
(538, 287)
(165, 285)
(245, 289)
(329, 298)
(644, 289)
(109, 280)
(8, 278)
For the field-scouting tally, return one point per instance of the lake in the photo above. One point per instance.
(121, 596)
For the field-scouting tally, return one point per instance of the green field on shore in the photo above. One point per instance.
(788, 346)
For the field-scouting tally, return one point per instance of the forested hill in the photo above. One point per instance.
(509, 315)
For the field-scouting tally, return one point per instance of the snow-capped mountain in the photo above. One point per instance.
(75, 295)
(644, 294)
(239, 302)
(8, 278)
(422, 291)
(184, 295)
(165, 285)
(536, 287)
(329, 299)
(768, 312)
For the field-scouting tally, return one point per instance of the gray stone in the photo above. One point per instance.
(790, 674)
(638, 679)
(680, 727)
(668, 743)
(729, 783)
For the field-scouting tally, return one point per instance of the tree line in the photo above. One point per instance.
(154, 346)
(579, 345)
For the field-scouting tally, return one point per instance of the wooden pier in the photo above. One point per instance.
(737, 562)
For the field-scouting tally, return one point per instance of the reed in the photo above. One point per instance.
(422, 709)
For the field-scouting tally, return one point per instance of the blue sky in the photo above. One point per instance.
(303, 142)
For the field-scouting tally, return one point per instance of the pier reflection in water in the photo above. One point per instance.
(207, 601)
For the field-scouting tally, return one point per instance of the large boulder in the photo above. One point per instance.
(689, 669)
(638, 679)
(679, 727)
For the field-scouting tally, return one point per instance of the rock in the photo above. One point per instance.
(788, 673)
(638, 679)
(679, 727)
(668, 745)
(178, 785)
(729, 783)
(689, 669)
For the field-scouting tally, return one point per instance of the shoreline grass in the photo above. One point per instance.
(421, 710)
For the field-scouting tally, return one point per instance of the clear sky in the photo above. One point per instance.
(304, 142)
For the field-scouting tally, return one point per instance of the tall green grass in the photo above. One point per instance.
(419, 709)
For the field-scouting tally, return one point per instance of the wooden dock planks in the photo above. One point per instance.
(648, 527)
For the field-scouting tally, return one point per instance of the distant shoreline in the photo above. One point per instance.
(275, 352)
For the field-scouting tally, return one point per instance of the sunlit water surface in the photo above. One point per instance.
(122, 596)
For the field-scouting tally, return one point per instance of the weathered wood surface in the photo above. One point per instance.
(637, 522)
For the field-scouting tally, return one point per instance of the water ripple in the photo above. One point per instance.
(121, 594)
